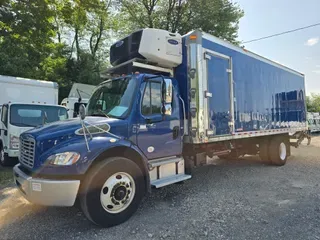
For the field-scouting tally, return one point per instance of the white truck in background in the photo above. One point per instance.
(79, 94)
(313, 119)
(25, 104)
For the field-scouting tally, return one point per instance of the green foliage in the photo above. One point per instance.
(217, 17)
(68, 41)
(313, 103)
(26, 38)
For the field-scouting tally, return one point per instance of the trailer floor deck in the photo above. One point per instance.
(228, 200)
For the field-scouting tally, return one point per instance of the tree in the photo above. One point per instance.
(68, 41)
(65, 41)
(26, 37)
(217, 17)
(313, 103)
(84, 25)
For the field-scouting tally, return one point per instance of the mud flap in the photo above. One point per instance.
(299, 137)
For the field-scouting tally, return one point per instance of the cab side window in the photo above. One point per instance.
(151, 103)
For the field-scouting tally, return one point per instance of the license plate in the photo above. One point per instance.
(36, 187)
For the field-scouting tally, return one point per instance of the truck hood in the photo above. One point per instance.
(67, 128)
(16, 131)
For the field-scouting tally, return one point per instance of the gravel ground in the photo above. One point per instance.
(226, 200)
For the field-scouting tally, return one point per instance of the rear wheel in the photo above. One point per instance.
(278, 151)
(112, 191)
(264, 150)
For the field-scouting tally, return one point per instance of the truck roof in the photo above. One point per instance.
(36, 104)
(242, 50)
(27, 81)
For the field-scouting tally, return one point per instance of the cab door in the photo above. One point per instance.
(4, 126)
(158, 134)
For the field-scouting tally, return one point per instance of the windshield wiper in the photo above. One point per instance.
(104, 114)
(26, 125)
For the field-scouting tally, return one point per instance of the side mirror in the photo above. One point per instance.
(153, 119)
(168, 97)
(168, 91)
(82, 112)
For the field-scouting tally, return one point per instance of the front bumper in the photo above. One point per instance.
(45, 191)
(13, 153)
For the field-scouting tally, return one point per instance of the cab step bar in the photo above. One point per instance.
(169, 180)
(165, 171)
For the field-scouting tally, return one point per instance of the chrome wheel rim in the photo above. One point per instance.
(282, 151)
(117, 192)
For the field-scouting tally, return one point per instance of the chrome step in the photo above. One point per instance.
(169, 180)
(162, 161)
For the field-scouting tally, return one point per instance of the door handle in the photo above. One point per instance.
(175, 132)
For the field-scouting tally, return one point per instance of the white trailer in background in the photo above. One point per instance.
(15, 89)
(79, 94)
(313, 122)
(25, 104)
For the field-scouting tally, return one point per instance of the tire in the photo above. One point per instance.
(278, 151)
(264, 150)
(112, 191)
(5, 160)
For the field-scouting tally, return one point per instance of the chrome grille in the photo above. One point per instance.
(27, 147)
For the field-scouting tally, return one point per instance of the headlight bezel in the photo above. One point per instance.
(64, 158)
(14, 142)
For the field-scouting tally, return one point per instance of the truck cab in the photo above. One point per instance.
(17, 118)
(132, 129)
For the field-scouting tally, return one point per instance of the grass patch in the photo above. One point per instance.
(6, 175)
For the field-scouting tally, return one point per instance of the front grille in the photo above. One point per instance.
(27, 147)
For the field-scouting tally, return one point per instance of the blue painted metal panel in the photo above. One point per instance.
(159, 135)
(60, 137)
(267, 96)
(219, 103)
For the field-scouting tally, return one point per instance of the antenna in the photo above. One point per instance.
(82, 114)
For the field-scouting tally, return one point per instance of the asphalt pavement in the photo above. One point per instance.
(240, 199)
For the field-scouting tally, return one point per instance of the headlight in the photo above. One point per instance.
(65, 159)
(14, 142)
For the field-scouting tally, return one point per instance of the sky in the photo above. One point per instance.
(299, 50)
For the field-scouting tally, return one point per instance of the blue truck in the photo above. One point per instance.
(168, 103)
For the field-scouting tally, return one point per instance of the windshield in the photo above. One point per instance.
(34, 115)
(113, 98)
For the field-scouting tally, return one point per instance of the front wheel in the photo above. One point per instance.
(112, 191)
